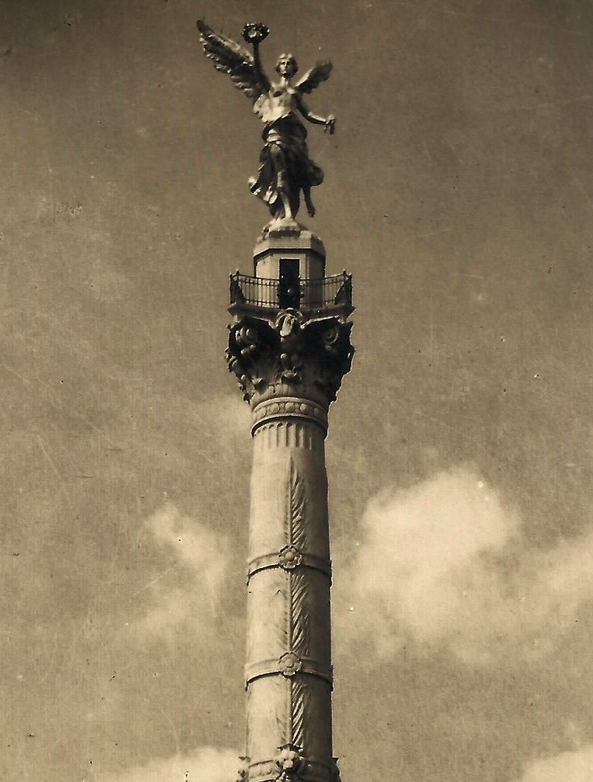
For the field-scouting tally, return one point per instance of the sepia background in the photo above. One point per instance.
(459, 192)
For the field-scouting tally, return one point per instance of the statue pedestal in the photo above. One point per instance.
(287, 240)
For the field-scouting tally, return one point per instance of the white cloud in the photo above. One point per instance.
(206, 764)
(186, 593)
(445, 563)
(576, 766)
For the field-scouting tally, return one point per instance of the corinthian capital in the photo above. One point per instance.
(290, 356)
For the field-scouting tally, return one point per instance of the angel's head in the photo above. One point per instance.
(286, 65)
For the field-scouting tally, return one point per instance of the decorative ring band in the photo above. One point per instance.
(288, 407)
(287, 665)
(276, 560)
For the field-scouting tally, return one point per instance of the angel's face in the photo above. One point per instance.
(286, 66)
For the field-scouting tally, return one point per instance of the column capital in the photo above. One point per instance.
(291, 361)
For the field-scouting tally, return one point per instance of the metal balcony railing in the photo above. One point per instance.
(270, 293)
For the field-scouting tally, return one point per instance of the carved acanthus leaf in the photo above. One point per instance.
(296, 506)
(281, 608)
(316, 353)
(298, 695)
(300, 614)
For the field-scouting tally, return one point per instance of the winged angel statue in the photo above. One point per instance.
(285, 166)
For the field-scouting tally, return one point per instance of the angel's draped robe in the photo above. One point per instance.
(289, 167)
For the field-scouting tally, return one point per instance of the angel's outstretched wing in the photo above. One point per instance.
(314, 76)
(230, 57)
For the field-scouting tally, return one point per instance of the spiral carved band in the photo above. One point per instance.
(288, 407)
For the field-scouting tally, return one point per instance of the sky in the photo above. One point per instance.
(459, 194)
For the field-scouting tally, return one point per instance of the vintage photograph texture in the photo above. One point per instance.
(448, 161)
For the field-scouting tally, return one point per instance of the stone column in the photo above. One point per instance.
(290, 365)
(288, 671)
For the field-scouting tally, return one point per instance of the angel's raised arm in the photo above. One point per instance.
(255, 34)
(230, 57)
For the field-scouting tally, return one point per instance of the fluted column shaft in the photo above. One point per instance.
(288, 670)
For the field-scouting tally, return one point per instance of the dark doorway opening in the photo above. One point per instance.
(289, 288)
